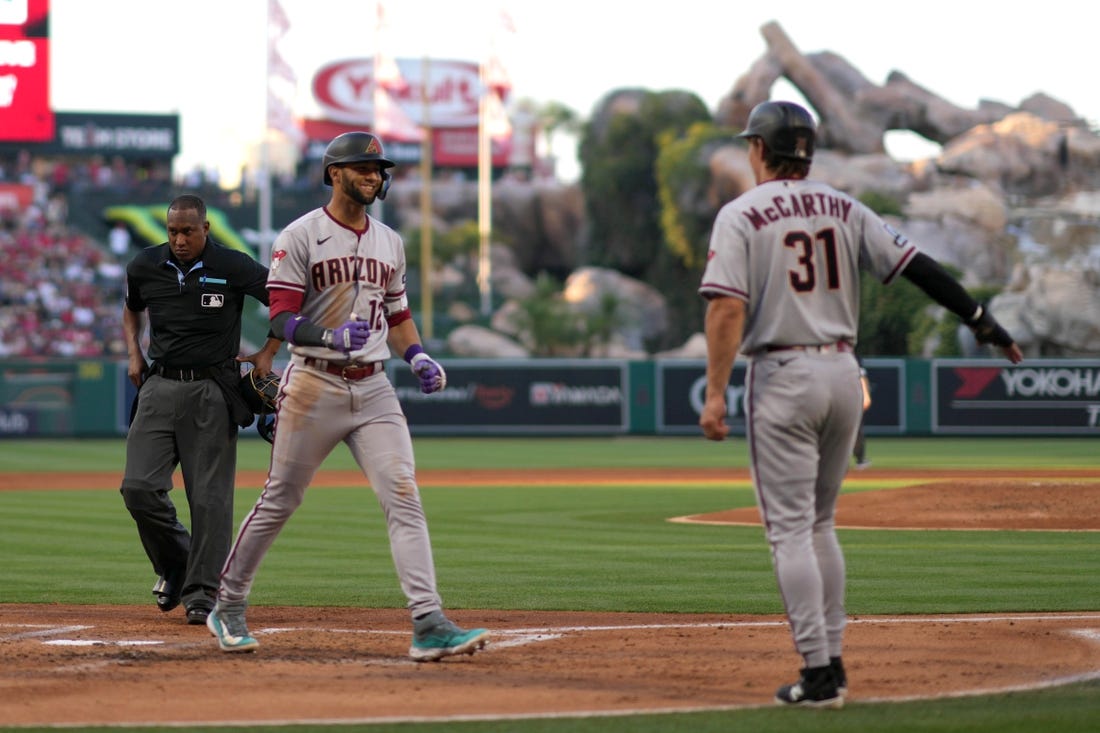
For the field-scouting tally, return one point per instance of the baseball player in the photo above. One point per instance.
(782, 285)
(337, 289)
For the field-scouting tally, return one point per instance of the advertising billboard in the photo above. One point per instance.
(681, 387)
(25, 114)
(681, 392)
(445, 99)
(345, 91)
(1053, 397)
(535, 396)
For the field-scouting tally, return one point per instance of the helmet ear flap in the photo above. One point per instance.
(385, 188)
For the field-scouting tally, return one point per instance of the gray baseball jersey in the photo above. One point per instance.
(341, 271)
(810, 293)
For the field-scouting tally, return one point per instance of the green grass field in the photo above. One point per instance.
(594, 548)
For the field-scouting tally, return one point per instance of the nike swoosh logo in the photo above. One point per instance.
(322, 241)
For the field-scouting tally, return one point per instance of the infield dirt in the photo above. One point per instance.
(129, 664)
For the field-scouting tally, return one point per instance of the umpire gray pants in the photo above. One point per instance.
(183, 424)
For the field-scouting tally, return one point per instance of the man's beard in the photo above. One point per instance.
(358, 196)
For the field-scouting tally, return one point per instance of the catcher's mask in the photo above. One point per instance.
(259, 392)
(358, 147)
(787, 129)
(265, 426)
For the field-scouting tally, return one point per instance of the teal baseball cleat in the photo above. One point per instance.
(227, 625)
(435, 636)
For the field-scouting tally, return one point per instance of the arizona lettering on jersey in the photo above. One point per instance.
(338, 270)
(341, 271)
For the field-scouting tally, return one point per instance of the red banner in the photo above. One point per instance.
(457, 146)
(15, 196)
(25, 114)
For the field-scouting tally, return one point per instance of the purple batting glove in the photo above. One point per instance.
(351, 336)
(429, 372)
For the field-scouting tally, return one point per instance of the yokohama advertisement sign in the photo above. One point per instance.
(1052, 396)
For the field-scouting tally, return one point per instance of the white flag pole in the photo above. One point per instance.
(426, 297)
(484, 197)
(379, 207)
(263, 178)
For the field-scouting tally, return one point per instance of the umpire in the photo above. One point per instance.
(188, 407)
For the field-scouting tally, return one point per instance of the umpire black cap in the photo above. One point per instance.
(786, 128)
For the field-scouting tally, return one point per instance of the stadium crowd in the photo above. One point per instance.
(60, 291)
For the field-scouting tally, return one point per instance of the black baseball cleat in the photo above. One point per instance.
(167, 592)
(196, 615)
(840, 675)
(816, 688)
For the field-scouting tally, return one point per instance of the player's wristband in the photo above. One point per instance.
(413, 351)
(301, 331)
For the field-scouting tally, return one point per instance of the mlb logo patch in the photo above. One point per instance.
(213, 300)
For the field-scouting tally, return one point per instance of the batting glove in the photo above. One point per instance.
(349, 337)
(429, 372)
(987, 330)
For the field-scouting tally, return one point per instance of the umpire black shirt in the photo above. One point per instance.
(195, 312)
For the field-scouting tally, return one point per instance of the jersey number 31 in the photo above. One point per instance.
(804, 278)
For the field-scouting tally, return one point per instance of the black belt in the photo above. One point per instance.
(349, 371)
(183, 375)
(839, 347)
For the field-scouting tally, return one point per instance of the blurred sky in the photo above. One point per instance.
(205, 59)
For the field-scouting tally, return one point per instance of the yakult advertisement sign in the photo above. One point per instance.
(345, 91)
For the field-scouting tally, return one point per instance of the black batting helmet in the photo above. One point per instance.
(786, 128)
(357, 147)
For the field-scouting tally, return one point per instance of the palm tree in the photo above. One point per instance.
(554, 117)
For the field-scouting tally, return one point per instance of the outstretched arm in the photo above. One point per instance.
(940, 286)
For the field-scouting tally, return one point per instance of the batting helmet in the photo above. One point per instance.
(357, 147)
(786, 128)
(259, 392)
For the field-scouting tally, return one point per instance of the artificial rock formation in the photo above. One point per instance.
(1012, 199)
